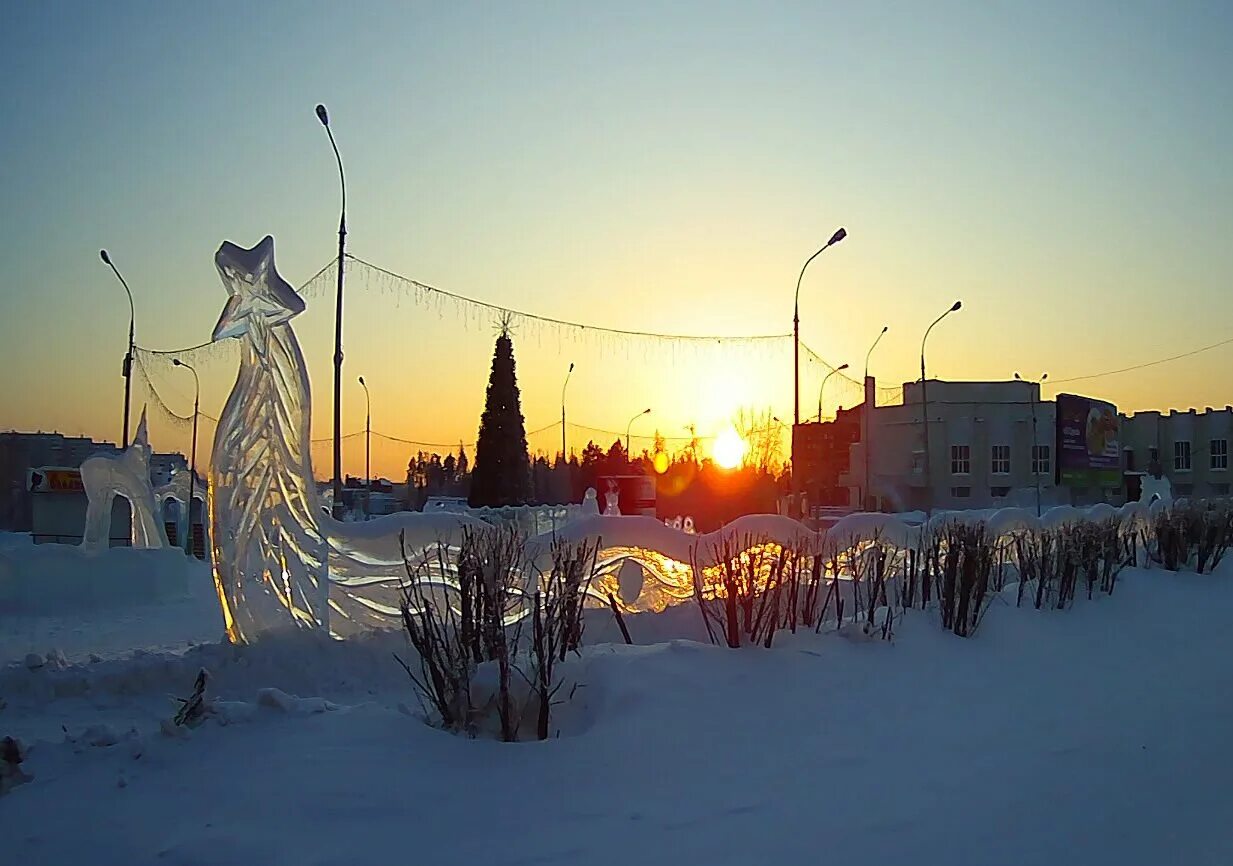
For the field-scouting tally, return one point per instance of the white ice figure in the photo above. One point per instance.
(590, 503)
(1155, 490)
(612, 507)
(104, 476)
(177, 488)
(272, 544)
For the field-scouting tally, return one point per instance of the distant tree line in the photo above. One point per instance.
(688, 484)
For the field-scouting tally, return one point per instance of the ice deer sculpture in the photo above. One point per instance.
(104, 476)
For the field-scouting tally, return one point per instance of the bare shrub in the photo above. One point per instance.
(748, 595)
(557, 620)
(471, 660)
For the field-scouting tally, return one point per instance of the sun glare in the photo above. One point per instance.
(729, 449)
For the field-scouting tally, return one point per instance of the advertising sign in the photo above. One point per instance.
(54, 480)
(1088, 451)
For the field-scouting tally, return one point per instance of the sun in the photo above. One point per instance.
(729, 449)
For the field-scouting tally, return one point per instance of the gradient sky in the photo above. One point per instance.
(1063, 168)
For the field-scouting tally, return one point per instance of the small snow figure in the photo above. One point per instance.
(12, 753)
(193, 710)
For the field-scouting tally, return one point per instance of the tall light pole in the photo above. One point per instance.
(867, 420)
(924, 407)
(568, 373)
(628, 426)
(1035, 464)
(128, 357)
(822, 388)
(324, 117)
(192, 458)
(367, 448)
(796, 327)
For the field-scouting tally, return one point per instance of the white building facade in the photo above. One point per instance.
(990, 445)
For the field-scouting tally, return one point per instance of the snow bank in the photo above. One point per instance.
(1043, 741)
(52, 578)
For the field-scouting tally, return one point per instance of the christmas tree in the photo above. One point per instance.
(502, 474)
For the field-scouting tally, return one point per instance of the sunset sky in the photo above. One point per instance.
(1063, 168)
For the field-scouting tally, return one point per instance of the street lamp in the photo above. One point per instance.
(568, 373)
(128, 357)
(823, 387)
(367, 448)
(324, 117)
(1035, 456)
(867, 419)
(924, 406)
(796, 327)
(192, 458)
(630, 424)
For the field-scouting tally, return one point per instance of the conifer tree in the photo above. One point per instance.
(502, 472)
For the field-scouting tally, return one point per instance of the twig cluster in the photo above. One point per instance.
(471, 660)
(1194, 534)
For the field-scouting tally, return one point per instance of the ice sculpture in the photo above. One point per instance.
(177, 488)
(280, 561)
(105, 476)
(612, 507)
(1155, 489)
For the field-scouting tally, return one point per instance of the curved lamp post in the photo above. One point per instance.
(367, 448)
(128, 357)
(822, 388)
(192, 460)
(324, 117)
(1035, 464)
(629, 425)
(867, 421)
(924, 406)
(839, 235)
(568, 373)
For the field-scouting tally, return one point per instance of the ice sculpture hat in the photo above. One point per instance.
(255, 287)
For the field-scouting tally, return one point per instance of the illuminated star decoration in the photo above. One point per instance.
(256, 289)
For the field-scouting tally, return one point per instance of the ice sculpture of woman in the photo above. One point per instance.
(271, 541)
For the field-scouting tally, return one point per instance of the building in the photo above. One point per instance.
(1188, 448)
(990, 445)
(22, 452)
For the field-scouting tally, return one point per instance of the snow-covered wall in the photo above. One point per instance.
(53, 578)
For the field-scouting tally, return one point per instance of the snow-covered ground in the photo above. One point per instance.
(1098, 735)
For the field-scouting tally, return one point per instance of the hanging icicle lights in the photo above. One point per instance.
(159, 385)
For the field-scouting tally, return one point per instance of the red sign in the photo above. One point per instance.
(56, 481)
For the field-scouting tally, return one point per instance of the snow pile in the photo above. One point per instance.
(1092, 736)
(53, 578)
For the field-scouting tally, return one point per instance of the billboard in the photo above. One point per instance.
(51, 479)
(1088, 451)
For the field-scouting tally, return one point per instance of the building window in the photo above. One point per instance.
(1041, 464)
(1183, 489)
(1221, 489)
(1153, 454)
(960, 459)
(961, 492)
(1000, 462)
(1130, 459)
(999, 492)
(1181, 456)
(1220, 453)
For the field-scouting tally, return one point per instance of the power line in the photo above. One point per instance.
(1143, 366)
(208, 343)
